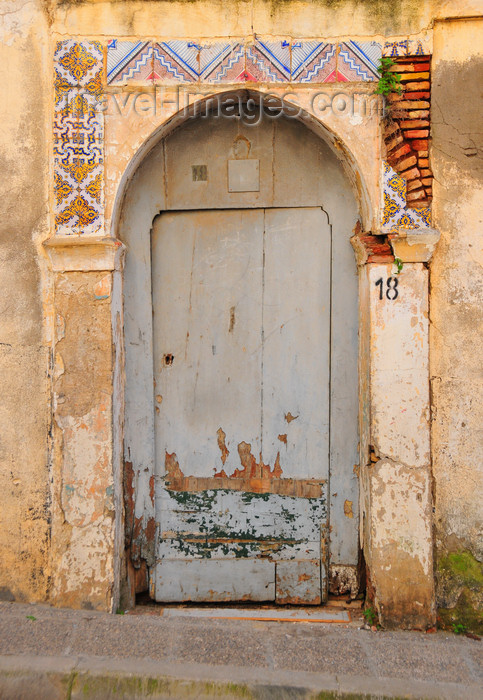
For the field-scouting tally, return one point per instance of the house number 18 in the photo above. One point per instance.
(391, 291)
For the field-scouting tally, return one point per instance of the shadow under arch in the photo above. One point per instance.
(290, 110)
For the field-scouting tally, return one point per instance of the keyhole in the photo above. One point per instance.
(168, 360)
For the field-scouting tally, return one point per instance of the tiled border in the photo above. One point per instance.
(420, 46)
(78, 143)
(267, 61)
(79, 77)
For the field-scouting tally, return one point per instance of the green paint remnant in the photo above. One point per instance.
(224, 523)
(249, 496)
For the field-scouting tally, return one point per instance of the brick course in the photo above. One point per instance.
(407, 129)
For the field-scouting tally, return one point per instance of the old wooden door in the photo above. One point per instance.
(241, 336)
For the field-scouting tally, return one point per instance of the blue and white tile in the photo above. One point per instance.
(212, 57)
(358, 61)
(176, 61)
(268, 61)
(313, 62)
(420, 46)
(395, 49)
(129, 62)
(228, 66)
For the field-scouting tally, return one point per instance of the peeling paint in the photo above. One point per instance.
(222, 445)
(253, 478)
(348, 509)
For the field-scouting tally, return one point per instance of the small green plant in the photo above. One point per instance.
(370, 615)
(459, 628)
(388, 80)
(30, 617)
(399, 265)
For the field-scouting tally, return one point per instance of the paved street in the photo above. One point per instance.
(73, 654)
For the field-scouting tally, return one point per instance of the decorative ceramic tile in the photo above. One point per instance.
(358, 61)
(268, 61)
(396, 48)
(313, 62)
(78, 191)
(419, 47)
(176, 61)
(415, 48)
(212, 57)
(227, 64)
(78, 62)
(129, 61)
(395, 213)
(78, 132)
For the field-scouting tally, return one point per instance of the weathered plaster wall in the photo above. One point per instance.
(83, 503)
(28, 31)
(396, 484)
(24, 355)
(457, 319)
(218, 18)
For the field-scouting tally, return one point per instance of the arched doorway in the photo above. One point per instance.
(240, 292)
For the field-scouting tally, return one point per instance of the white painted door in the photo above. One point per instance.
(241, 339)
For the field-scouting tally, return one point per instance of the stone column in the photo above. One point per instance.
(396, 483)
(86, 481)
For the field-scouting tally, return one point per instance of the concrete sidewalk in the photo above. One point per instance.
(86, 654)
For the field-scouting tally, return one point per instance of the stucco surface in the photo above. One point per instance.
(24, 355)
(457, 300)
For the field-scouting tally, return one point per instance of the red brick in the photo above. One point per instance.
(405, 163)
(400, 151)
(420, 145)
(413, 196)
(419, 114)
(413, 123)
(423, 154)
(413, 76)
(416, 104)
(423, 162)
(413, 59)
(424, 85)
(390, 128)
(412, 67)
(410, 174)
(417, 95)
(394, 142)
(427, 181)
(413, 185)
(426, 173)
(416, 134)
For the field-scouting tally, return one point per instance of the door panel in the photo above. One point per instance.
(207, 277)
(241, 303)
(216, 581)
(296, 324)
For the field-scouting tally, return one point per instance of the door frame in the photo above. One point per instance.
(394, 467)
